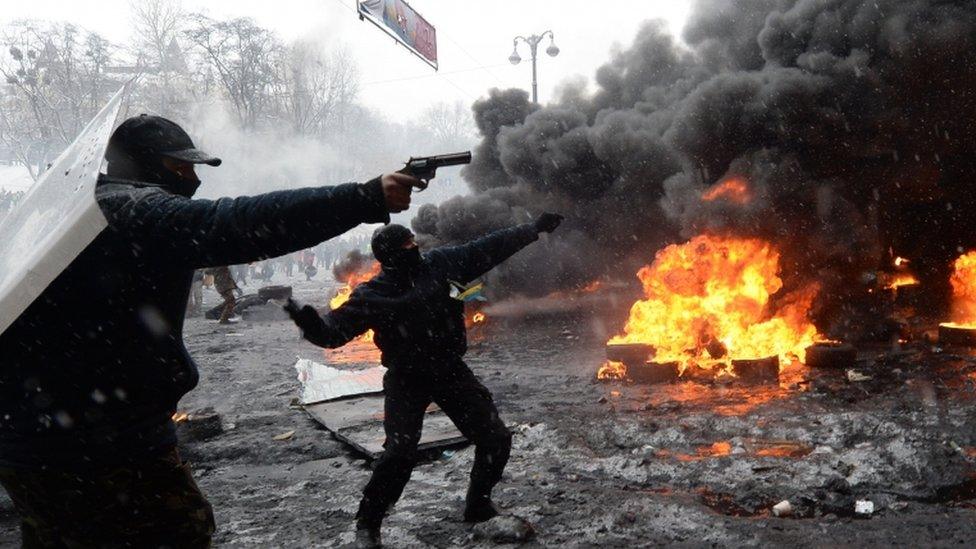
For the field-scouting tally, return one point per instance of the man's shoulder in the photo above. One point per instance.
(115, 196)
(112, 189)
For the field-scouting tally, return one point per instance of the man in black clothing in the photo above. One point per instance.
(91, 372)
(419, 328)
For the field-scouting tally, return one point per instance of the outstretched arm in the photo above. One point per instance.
(230, 231)
(334, 329)
(469, 261)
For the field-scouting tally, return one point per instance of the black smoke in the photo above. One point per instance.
(852, 121)
(355, 263)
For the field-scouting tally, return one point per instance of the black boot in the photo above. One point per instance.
(478, 507)
(368, 537)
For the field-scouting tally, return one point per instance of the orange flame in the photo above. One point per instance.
(963, 282)
(735, 190)
(478, 318)
(180, 416)
(612, 370)
(355, 279)
(897, 281)
(709, 299)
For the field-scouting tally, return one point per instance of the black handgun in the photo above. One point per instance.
(425, 167)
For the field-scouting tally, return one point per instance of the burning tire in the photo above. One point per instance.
(955, 334)
(829, 354)
(653, 372)
(757, 369)
(280, 293)
(629, 353)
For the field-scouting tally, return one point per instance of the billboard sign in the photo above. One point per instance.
(405, 25)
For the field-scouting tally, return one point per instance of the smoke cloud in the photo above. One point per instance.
(849, 121)
(354, 263)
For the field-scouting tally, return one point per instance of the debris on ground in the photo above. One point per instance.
(782, 509)
(284, 436)
(505, 529)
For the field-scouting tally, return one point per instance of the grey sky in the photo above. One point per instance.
(474, 39)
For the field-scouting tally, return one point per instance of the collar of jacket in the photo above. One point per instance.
(112, 180)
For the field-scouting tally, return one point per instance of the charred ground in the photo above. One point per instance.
(603, 464)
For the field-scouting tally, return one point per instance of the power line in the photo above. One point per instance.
(434, 75)
(480, 65)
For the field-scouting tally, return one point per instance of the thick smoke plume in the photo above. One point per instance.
(849, 120)
(355, 263)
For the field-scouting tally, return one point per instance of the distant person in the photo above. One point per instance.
(225, 286)
(267, 270)
(91, 372)
(308, 264)
(419, 328)
(289, 264)
(195, 303)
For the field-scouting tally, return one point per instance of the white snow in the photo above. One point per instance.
(14, 178)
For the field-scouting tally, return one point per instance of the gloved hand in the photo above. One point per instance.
(305, 317)
(547, 222)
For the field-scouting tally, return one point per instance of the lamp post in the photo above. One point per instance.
(533, 42)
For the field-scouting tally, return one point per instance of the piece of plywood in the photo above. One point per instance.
(349, 403)
(358, 421)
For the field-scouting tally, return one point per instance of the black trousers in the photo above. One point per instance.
(466, 401)
(152, 503)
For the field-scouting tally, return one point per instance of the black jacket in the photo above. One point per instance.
(92, 371)
(417, 324)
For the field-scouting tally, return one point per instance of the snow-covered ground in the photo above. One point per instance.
(14, 178)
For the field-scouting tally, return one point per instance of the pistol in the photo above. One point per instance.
(424, 168)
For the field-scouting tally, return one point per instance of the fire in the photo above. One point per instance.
(893, 281)
(612, 370)
(709, 299)
(342, 295)
(355, 279)
(478, 318)
(735, 190)
(180, 416)
(897, 281)
(963, 282)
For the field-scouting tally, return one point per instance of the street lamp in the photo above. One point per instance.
(533, 42)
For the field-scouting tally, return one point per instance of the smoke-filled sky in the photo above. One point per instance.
(473, 43)
(849, 120)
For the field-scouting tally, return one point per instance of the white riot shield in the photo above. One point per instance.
(56, 220)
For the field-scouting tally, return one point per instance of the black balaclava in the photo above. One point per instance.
(388, 248)
(150, 169)
(137, 147)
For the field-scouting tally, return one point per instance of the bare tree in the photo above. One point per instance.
(166, 79)
(450, 123)
(317, 88)
(244, 59)
(157, 24)
(56, 80)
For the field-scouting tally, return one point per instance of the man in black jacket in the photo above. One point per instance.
(419, 328)
(91, 372)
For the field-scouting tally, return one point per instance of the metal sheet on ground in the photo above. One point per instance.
(349, 403)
